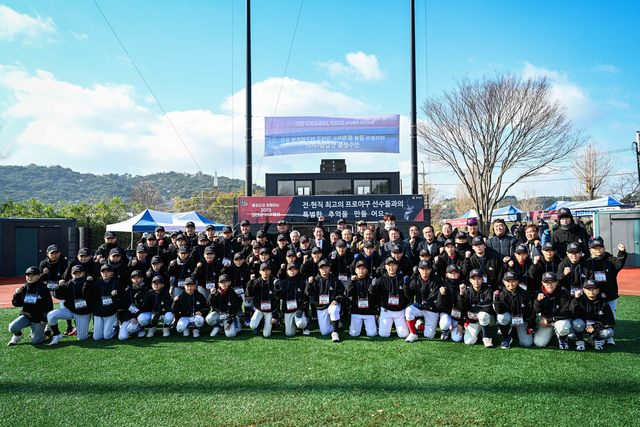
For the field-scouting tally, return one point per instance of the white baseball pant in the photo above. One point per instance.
(103, 327)
(579, 325)
(21, 322)
(257, 317)
(81, 320)
(291, 323)
(186, 321)
(144, 319)
(369, 321)
(543, 334)
(326, 316)
(128, 328)
(389, 318)
(472, 331)
(431, 320)
(524, 338)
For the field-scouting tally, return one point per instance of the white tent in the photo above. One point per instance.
(148, 220)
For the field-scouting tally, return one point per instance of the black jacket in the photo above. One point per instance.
(156, 302)
(130, 302)
(390, 291)
(555, 306)
(516, 303)
(473, 302)
(263, 291)
(576, 277)
(56, 270)
(35, 300)
(239, 275)
(229, 302)
(489, 264)
(207, 273)
(72, 292)
(444, 260)
(104, 297)
(537, 270)
(290, 289)
(610, 266)
(358, 293)
(597, 310)
(180, 270)
(424, 293)
(571, 233)
(320, 287)
(185, 305)
(504, 245)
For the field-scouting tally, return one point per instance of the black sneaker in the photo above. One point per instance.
(506, 343)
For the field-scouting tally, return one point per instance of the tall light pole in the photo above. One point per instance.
(636, 146)
(414, 130)
(248, 138)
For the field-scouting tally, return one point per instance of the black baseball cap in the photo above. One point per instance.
(369, 244)
(141, 248)
(265, 251)
(156, 259)
(477, 241)
(396, 249)
(521, 249)
(573, 248)
(151, 236)
(137, 273)
(224, 278)
(549, 276)
(564, 212)
(390, 260)
(77, 268)
(109, 234)
(548, 246)
(190, 224)
(238, 255)
(361, 263)
(157, 279)
(510, 275)
(53, 248)
(589, 283)
(32, 270)
(202, 237)
(114, 251)
(452, 268)
(449, 242)
(159, 228)
(598, 241)
(245, 222)
(324, 263)
(425, 264)
(84, 252)
(316, 250)
(475, 273)
(281, 237)
(292, 265)
(341, 221)
(265, 266)
(189, 281)
(106, 267)
(183, 249)
(341, 244)
(291, 253)
(227, 229)
(209, 250)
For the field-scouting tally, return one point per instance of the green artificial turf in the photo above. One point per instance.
(309, 381)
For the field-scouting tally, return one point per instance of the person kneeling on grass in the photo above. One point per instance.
(389, 288)
(451, 317)
(514, 310)
(75, 306)
(156, 306)
(326, 294)
(476, 302)
(129, 307)
(264, 299)
(591, 314)
(225, 305)
(190, 308)
(290, 291)
(363, 303)
(35, 299)
(425, 288)
(553, 307)
(104, 296)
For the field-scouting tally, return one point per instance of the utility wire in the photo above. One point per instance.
(284, 75)
(166, 116)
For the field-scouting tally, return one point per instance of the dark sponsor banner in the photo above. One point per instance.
(351, 208)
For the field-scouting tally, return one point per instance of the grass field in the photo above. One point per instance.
(310, 381)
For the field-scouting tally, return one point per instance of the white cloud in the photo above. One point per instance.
(606, 68)
(80, 36)
(108, 128)
(15, 25)
(358, 65)
(580, 107)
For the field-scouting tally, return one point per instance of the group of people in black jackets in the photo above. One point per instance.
(459, 283)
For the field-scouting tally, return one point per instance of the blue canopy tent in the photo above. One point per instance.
(148, 220)
(507, 213)
(588, 207)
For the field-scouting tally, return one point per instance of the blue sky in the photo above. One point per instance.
(69, 94)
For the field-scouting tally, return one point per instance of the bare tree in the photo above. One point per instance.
(463, 201)
(625, 188)
(486, 129)
(529, 201)
(592, 168)
(145, 195)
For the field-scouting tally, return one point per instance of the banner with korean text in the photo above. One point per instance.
(304, 135)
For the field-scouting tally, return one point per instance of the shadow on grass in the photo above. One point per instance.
(587, 388)
(626, 339)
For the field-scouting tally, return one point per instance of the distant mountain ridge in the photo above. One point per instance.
(52, 184)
